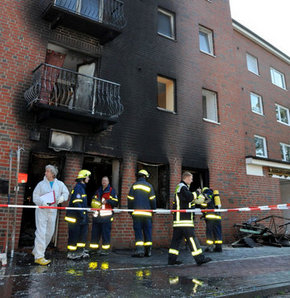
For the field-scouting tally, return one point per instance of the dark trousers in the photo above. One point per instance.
(77, 235)
(213, 230)
(178, 235)
(143, 230)
(101, 230)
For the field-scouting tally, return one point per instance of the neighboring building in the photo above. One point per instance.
(165, 85)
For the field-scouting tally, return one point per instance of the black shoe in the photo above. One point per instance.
(202, 260)
(139, 253)
(218, 248)
(148, 251)
(174, 263)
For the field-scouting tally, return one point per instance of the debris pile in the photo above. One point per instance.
(265, 231)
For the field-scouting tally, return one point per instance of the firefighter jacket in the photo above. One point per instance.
(212, 201)
(78, 199)
(141, 196)
(184, 199)
(108, 198)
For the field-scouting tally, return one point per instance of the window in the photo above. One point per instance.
(277, 78)
(256, 103)
(166, 90)
(282, 115)
(205, 40)
(166, 23)
(252, 63)
(209, 105)
(285, 152)
(261, 149)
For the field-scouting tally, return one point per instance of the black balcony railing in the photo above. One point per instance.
(109, 12)
(71, 91)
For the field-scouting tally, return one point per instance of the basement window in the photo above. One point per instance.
(166, 94)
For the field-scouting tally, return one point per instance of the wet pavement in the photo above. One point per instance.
(237, 272)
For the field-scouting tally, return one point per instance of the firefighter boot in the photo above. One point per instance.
(172, 260)
(139, 252)
(148, 251)
(218, 248)
(202, 259)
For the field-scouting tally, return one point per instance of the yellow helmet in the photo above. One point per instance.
(96, 204)
(144, 172)
(83, 174)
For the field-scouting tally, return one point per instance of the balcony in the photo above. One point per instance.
(103, 19)
(58, 93)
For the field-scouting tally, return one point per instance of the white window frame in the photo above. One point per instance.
(210, 98)
(278, 117)
(274, 71)
(260, 99)
(264, 146)
(254, 59)
(172, 23)
(283, 151)
(209, 34)
(169, 96)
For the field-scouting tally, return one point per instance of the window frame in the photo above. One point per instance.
(257, 64)
(264, 146)
(209, 34)
(282, 147)
(287, 112)
(260, 98)
(204, 90)
(173, 94)
(172, 23)
(274, 70)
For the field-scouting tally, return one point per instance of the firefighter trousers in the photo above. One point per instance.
(101, 230)
(179, 233)
(142, 227)
(77, 236)
(213, 231)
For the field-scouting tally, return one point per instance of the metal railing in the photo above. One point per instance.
(109, 12)
(56, 86)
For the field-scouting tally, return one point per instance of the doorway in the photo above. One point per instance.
(36, 170)
(101, 166)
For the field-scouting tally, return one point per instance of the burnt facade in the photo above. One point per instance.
(116, 86)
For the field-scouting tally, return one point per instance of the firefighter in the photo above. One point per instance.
(78, 219)
(213, 220)
(183, 222)
(141, 196)
(105, 198)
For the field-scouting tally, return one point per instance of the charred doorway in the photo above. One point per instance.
(200, 178)
(159, 178)
(99, 167)
(36, 170)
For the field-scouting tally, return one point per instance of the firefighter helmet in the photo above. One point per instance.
(83, 174)
(96, 204)
(143, 172)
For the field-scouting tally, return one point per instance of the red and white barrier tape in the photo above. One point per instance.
(160, 211)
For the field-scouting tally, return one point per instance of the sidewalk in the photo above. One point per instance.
(237, 272)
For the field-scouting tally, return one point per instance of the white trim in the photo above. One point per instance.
(260, 42)
(266, 163)
(211, 121)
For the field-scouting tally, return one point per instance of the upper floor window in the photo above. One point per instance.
(261, 148)
(252, 63)
(282, 114)
(166, 94)
(209, 105)
(166, 23)
(256, 103)
(285, 152)
(206, 40)
(277, 78)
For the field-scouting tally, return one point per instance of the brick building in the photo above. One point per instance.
(115, 86)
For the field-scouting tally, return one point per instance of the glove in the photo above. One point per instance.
(200, 199)
(95, 214)
(60, 199)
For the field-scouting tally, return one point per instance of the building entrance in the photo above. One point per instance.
(36, 170)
